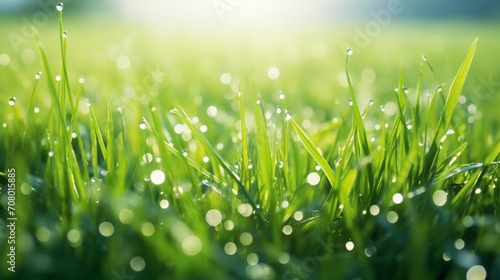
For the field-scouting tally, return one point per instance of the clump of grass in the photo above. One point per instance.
(142, 190)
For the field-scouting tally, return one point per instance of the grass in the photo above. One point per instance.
(119, 176)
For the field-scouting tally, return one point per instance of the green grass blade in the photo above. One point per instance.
(313, 151)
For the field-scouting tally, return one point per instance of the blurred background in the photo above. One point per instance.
(190, 44)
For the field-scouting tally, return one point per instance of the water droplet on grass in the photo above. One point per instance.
(397, 198)
(348, 51)
(157, 177)
(282, 95)
(382, 108)
(287, 230)
(106, 229)
(36, 110)
(374, 210)
(191, 245)
(439, 198)
(476, 272)
(213, 217)
(424, 58)
(137, 264)
(459, 244)
(288, 116)
(142, 125)
(38, 75)
(65, 34)
(392, 217)
(12, 101)
(59, 7)
(246, 238)
(349, 246)
(372, 139)
(51, 154)
(313, 178)
(230, 248)
(273, 73)
(278, 109)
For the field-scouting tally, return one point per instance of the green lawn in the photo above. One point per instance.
(134, 156)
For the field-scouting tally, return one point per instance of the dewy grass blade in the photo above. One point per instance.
(449, 107)
(473, 181)
(244, 144)
(313, 151)
(204, 142)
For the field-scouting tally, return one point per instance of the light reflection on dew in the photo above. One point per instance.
(298, 216)
(476, 272)
(349, 246)
(106, 229)
(392, 217)
(273, 73)
(459, 244)
(370, 251)
(147, 229)
(313, 178)
(12, 101)
(374, 210)
(439, 198)
(246, 238)
(225, 78)
(213, 217)
(284, 258)
(245, 209)
(252, 259)
(157, 177)
(229, 225)
(230, 248)
(191, 245)
(74, 237)
(446, 257)
(287, 230)
(137, 264)
(397, 198)
(126, 216)
(212, 111)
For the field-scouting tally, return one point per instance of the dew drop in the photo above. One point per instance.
(81, 80)
(60, 7)
(142, 125)
(476, 272)
(372, 139)
(370, 103)
(282, 95)
(424, 58)
(349, 246)
(36, 110)
(65, 34)
(350, 102)
(349, 51)
(51, 154)
(12, 101)
(38, 75)
(287, 230)
(382, 108)
(288, 116)
(278, 110)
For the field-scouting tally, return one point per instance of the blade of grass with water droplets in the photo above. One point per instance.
(208, 147)
(450, 104)
(313, 151)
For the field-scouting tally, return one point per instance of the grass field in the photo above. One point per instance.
(133, 154)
